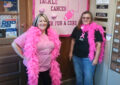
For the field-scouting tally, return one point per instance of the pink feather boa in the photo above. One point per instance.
(91, 39)
(32, 38)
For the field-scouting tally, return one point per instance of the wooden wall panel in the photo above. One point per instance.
(13, 67)
(6, 41)
(29, 13)
(6, 78)
(6, 50)
(1, 6)
(66, 65)
(23, 14)
(9, 59)
(10, 82)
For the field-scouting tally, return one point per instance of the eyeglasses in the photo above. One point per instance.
(86, 18)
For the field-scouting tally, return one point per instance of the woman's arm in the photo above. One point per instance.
(18, 50)
(71, 48)
(98, 48)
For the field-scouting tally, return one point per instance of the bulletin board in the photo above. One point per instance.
(115, 60)
(63, 14)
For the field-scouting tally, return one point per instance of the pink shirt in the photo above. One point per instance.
(44, 49)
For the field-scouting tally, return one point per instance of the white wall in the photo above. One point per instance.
(104, 75)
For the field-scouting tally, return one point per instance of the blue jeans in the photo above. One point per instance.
(84, 70)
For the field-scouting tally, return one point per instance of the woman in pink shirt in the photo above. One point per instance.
(39, 47)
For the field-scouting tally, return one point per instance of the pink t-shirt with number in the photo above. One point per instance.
(44, 49)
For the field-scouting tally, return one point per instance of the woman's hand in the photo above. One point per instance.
(70, 56)
(98, 48)
(95, 62)
(71, 48)
(17, 49)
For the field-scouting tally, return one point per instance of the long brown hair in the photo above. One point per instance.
(80, 20)
(35, 22)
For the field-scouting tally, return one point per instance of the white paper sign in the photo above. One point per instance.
(102, 1)
(118, 7)
(115, 50)
(118, 60)
(117, 69)
(116, 40)
(63, 14)
(117, 23)
(108, 37)
(118, 15)
(116, 31)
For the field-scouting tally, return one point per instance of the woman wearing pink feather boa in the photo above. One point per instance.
(39, 47)
(87, 48)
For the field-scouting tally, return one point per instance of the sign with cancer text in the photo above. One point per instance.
(63, 14)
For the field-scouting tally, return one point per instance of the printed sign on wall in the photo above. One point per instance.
(63, 14)
(102, 1)
(8, 26)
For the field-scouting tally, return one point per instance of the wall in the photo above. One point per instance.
(113, 77)
(104, 75)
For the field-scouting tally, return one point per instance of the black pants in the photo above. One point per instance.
(44, 78)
